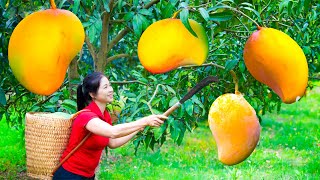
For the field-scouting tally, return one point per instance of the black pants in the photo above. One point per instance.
(62, 174)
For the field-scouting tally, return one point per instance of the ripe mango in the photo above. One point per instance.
(41, 48)
(167, 44)
(275, 59)
(235, 127)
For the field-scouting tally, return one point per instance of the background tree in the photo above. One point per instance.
(113, 29)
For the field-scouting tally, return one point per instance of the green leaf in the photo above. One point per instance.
(196, 100)
(230, 64)
(307, 4)
(135, 3)
(229, 1)
(175, 131)
(167, 11)
(34, 109)
(196, 2)
(61, 4)
(290, 3)
(184, 14)
(221, 16)
(106, 5)
(137, 24)
(254, 11)
(152, 78)
(181, 135)
(145, 12)
(183, 5)
(145, 22)
(92, 33)
(3, 100)
(189, 107)
(242, 66)
(217, 7)
(283, 4)
(121, 4)
(246, 4)
(3, 5)
(171, 90)
(70, 103)
(98, 25)
(204, 14)
(174, 2)
(130, 95)
(128, 16)
(86, 24)
(173, 101)
(155, 101)
(76, 5)
(147, 140)
(158, 132)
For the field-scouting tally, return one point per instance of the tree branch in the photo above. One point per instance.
(203, 65)
(153, 96)
(91, 48)
(150, 4)
(117, 56)
(117, 21)
(128, 82)
(100, 65)
(118, 38)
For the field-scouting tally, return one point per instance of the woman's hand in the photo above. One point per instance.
(155, 120)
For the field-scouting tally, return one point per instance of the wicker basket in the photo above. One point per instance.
(46, 137)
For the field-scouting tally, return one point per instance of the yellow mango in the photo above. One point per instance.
(167, 44)
(275, 59)
(41, 48)
(235, 128)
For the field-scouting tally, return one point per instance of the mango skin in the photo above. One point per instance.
(235, 128)
(275, 59)
(167, 44)
(41, 48)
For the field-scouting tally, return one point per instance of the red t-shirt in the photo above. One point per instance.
(85, 160)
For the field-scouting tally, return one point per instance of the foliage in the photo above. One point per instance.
(228, 24)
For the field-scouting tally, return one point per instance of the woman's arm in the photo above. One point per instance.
(97, 126)
(117, 142)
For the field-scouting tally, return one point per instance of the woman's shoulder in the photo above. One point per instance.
(86, 113)
(84, 117)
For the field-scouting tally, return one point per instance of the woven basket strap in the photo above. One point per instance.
(77, 147)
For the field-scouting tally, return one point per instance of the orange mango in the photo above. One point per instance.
(167, 44)
(235, 128)
(275, 59)
(41, 48)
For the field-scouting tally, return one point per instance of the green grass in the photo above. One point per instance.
(289, 148)
(12, 152)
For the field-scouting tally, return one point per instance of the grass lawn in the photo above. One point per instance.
(289, 148)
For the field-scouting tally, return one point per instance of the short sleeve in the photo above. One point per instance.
(83, 118)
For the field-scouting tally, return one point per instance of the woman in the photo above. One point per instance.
(93, 95)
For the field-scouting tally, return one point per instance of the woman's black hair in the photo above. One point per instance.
(90, 84)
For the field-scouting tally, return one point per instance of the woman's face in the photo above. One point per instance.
(105, 91)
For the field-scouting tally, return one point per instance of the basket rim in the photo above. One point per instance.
(38, 115)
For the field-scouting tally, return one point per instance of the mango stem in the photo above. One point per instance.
(53, 4)
(176, 14)
(235, 80)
